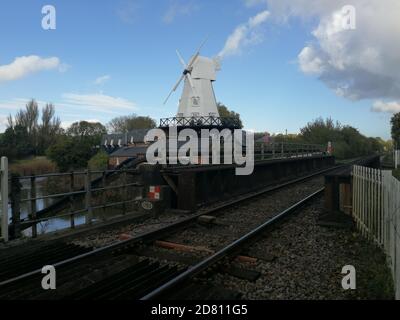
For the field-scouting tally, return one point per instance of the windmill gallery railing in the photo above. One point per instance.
(31, 196)
(193, 122)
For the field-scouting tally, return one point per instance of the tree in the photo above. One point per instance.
(347, 141)
(14, 143)
(39, 135)
(395, 121)
(131, 122)
(49, 129)
(224, 112)
(70, 153)
(321, 131)
(99, 161)
(88, 132)
(28, 118)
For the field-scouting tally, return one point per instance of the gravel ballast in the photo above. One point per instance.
(306, 261)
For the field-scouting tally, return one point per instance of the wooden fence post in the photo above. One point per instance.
(33, 206)
(4, 197)
(71, 199)
(125, 191)
(103, 194)
(262, 151)
(88, 198)
(15, 199)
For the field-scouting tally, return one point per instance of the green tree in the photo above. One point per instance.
(347, 141)
(224, 112)
(49, 130)
(70, 153)
(87, 132)
(131, 122)
(39, 135)
(395, 121)
(14, 143)
(99, 161)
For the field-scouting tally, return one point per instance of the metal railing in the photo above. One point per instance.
(189, 122)
(278, 150)
(81, 200)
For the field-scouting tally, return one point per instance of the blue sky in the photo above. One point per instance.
(110, 58)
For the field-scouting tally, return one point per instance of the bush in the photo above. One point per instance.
(99, 161)
(33, 166)
(70, 153)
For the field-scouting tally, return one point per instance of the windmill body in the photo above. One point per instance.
(198, 98)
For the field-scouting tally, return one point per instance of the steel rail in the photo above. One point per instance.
(154, 234)
(229, 250)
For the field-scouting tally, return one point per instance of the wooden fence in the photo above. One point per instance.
(396, 158)
(4, 198)
(376, 209)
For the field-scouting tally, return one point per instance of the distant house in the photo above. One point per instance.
(125, 153)
(265, 139)
(122, 146)
(119, 140)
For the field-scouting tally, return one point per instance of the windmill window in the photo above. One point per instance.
(196, 101)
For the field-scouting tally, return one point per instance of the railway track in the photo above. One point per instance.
(127, 270)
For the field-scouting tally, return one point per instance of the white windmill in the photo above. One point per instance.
(198, 98)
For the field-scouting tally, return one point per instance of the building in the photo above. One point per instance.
(118, 140)
(125, 153)
(123, 146)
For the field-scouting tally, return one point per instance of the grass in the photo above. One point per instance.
(32, 166)
(374, 278)
(396, 174)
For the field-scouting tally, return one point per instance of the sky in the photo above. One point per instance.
(284, 62)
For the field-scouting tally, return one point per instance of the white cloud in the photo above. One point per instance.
(103, 79)
(97, 102)
(390, 107)
(13, 104)
(128, 11)
(357, 64)
(23, 66)
(3, 123)
(244, 35)
(179, 8)
(309, 62)
(253, 3)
